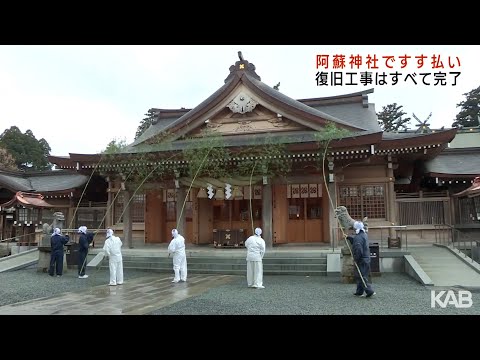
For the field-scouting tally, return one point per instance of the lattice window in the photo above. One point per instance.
(118, 209)
(138, 213)
(92, 218)
(34, 215)
(351, 199)
(22, 215)
(314, 208)
(137, 204)
(364, 200)
(188, 211)
(373, 197)
(468, 210)
(296, 209)
(476, 203)
(171, 207)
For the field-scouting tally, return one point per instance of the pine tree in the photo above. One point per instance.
(28, 152)
(391, 118)
(469, 115)
(145, 123)
(7, 161)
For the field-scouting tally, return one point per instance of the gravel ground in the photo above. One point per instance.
(397, 294)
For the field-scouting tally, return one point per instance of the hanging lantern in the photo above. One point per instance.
(220, 194)
(202, 193)
(237, 193)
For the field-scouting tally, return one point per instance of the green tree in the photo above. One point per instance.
(469, 115)
(7, 161)
(391, 118)
(145, 123)
(28, 152)
(115, 146)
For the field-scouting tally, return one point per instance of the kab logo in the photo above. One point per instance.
(443, 298)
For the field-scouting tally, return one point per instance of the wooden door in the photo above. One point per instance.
(305, 222)
(154, 217)
(280, 214)
(205, 221)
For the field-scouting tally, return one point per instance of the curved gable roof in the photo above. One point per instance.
(363, 116)
(184, 120)
(455, 163)
(14, 182)
(473, 190)
(404, 139)
(28, 200)
(50, 181)
(291, 105)
(244, 72)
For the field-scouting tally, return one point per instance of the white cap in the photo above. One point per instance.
(358, 226)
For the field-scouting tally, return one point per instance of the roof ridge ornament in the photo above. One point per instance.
(423, 126)
(240, 67)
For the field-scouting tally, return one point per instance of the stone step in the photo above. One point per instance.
(222, 265)
(219, 260)
(241, 272)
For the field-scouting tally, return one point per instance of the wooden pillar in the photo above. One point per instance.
(332, 190)
(195, 217)
(449, 210)
(180, 215)
(391, 198)
(70, 213)
(332, 220)
(127, 219)
(108, 214)
(2, 228)
(267, 215)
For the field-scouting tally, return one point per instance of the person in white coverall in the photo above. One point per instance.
(255, 250)
(177, 248)
(113, 249)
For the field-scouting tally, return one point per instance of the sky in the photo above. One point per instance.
(80, 97)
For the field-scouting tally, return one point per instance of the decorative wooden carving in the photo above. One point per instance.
(242, 104)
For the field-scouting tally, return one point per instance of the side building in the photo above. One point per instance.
(30, 199)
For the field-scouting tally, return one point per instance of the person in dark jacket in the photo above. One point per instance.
(361, 255)
(57, 242)
(84, 242)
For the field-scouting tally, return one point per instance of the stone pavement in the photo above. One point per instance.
(134, 297)
(20, 260)
(444, 268)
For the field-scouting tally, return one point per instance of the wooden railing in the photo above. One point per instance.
(424, 209)
(450, 236)
(423, 194)
(400, 229)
